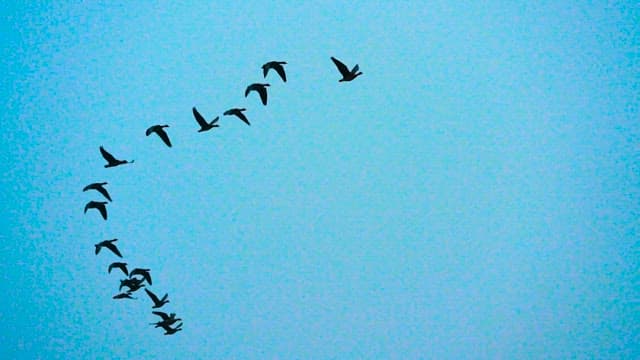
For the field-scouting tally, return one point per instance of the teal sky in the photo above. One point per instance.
(473, 195)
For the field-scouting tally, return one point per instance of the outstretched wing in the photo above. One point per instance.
(107, 156)
(280, 70)
(113, 248)
(163, 135)
(163, 315)
(355, 69)
(103, 191)
(240, 115)
(341, 67)
(201, 121)
(153, 297)
(103, 210)
(263, 94)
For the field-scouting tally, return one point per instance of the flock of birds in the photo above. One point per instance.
(135, 279)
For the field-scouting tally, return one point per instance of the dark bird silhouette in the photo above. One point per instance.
(99, 187)
(98, 205)
(142, 272)
(166, 319)
(204, 125)
(347, 75)
(169, 330)
(159, 129)
(111, 161)
(133, 284)
(157, 303)
(120, 265)
(109, 244)
(238, 112)
(260, 89)
(124, 296)
(277, 66)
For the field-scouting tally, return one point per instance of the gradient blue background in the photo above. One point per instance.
(475, 194)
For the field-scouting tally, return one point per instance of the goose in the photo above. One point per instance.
(238, 112)
(159, 129)
(277, 66)
(166, 319)
(260, 89)
(347, 75)
(170, 331)
(98, 205)
(112, 161)
(124, 296)
(99, 187)
(157, 303)
(109, 244)
(143, 272)
(204, 125)
(120, 265)
(133, 284)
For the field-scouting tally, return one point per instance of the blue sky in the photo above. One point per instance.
(474, 194)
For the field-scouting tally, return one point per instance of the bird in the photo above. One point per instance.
(109, 244)
(98, 205)
(126, 295)
(260, 89)
(166, 319)
(133, 284)
(347, 75)
(157, 303)
(120, 265)
(277, 66)
(112, 161)
(170, 331)
(204, 125)
(238, 112)
(143, 272)
(99, 187)
(159, 129)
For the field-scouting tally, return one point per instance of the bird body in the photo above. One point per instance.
(277, 66)
(99, 187)
(111, 160)
(157, 302)
(166, 319)
(120, 265)
(204, 125)
(347, 75)
(238, 112)
(159, 129)
(170, 331)
(109, 244)
(261, 89)
(98, 205)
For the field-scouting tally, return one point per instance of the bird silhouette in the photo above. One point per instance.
(347, 75)
(120, 265)
(133, 284)
(169, 330)
(126, 295)
(157, 303)
(238, 112)
(142, 272)
(260, 89)
(204, 125)
(99, 187)
(277, 66)
(109, 244)
(166, 319)
(159, 129)
(98, 205)
(112, 161)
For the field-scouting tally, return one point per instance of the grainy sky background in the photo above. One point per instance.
(475, 194)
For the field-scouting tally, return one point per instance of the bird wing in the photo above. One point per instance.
(355, 69)
(98, 247)
(163, 315)
(263, 94)
(163, 135)
(265, 69)
(341, 67)
(248, 90)
(107, 156)
(151, 129)
(201, 121)
(153, 297)
(102, 209)
(280, 70)
(113, 248)
(87, 207)
(102, 191)
(240, 115)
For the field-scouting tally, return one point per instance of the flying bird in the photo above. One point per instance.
(204, 125)
(157, 303)
(109, 244)
(277, 66)
(166, 319)
(170, 331)
(238, 112)
(143, 272)
(133, 284)
(98, 205)
(159, 129)
(124, 296)
(347, 75)
(260, 89)
(120, 265)
(99, 187)
(112, 161)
